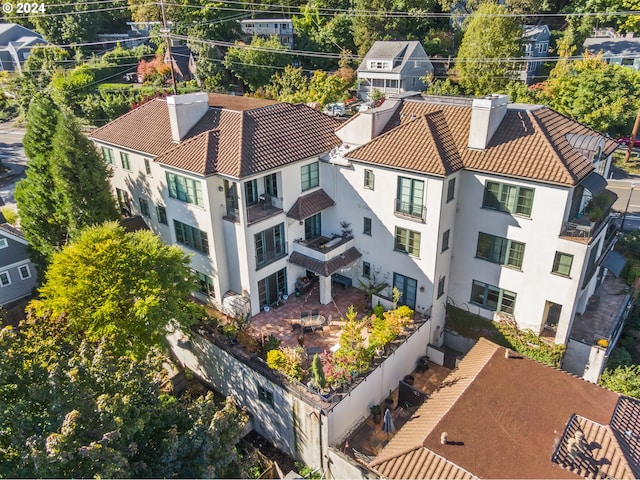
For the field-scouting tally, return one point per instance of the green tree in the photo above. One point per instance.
(603, 96)
(66, 188)
(624, 379)
(128, 287)
(292, 85)
(485, 59)
(36, 202)
(72, 409)
(382, 20)
(256, 63)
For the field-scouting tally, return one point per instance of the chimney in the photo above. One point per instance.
(185, 111)
(444, 438)
(486, 114)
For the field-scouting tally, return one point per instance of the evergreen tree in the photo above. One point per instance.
(66, 188)
(81, 178)
(485, 60)
(34, 194)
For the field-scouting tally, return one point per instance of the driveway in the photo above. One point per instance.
(12, 157)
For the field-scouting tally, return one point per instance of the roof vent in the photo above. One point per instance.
(444, 438)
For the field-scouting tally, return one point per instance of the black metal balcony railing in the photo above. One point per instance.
(414, 211)
(233, 214)
(269, 256)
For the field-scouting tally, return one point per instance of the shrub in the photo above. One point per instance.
(529, 344)
(378, 310)
(317, 371)
(287, 360)
(381, 333)
(620, 357)
(404, 312)
(10, 215)
(276, 360)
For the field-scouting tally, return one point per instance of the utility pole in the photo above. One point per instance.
(632, 140)
(165, 32)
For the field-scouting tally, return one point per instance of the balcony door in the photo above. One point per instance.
(313, 227)
(272, 287)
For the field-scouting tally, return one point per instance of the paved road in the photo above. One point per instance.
(12, 156)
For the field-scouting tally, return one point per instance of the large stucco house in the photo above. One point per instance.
(478, 203)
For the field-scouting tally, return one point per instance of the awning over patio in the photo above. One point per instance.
(327, 268)
(310, 204)
(614, 262)
(595, 183)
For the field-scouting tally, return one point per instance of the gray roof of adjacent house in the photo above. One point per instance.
(398, 52)
(533, 32)
(13, 38)
(616, 47)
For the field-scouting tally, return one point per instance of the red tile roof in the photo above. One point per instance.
(531, 143)
(503, 417)
(325, 268)
(238, 136)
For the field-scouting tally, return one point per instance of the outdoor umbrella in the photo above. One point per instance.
(387, 424)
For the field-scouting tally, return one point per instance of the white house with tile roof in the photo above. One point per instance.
(478, 203)
(393, 67)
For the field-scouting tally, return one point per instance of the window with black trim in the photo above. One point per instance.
(451, 189)
(3, 243)
(367, 226)
(162, 214)
(144, 207)
(265, 395)
(366, 269)
(5, 279)
(205, 283)
(562, 264)
(441, 286)
(24, 272)
(147, 166)
(445, 240)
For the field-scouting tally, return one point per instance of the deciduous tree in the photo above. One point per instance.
(625, 380)
(128, 287)
(256, 63)
(485, 62)
(74, 409)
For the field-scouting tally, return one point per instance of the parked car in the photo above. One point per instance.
(334, 109)
(626, 140)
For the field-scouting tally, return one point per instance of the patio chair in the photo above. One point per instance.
(304, 315)
(314, 313)
(330, 325)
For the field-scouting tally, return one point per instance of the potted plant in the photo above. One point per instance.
(376, 412)
(388, 402)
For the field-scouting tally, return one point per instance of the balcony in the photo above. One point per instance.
(267, 207)
(270, 256)
(412, 211)
(596, 217)
(323, 248)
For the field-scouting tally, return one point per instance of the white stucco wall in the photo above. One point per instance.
(534, 284)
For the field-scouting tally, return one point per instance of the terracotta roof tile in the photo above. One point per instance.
(626, 427)
(252, 135)
(310, 204)
(506, 413)
(421, 463)
(530, 143)
(601, 453)
(325, 268)
(426, 145)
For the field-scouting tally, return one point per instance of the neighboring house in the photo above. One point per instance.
(393, 68)
(16, 43)
(505, 416)
(268, 27)
(535, 46)
(623, 51)
(182, 62)
(17, 274)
